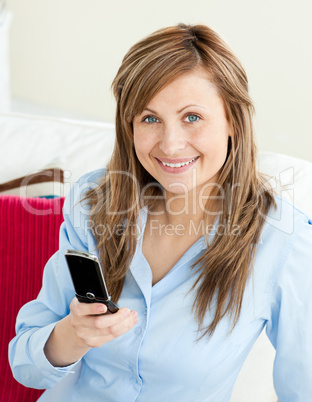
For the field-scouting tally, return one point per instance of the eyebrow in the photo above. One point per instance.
(178, 112)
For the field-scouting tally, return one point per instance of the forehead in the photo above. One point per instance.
(191, 87)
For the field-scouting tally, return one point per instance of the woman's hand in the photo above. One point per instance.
(93, 327)
(87, 326)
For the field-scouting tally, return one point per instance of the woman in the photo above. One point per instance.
(192, 243)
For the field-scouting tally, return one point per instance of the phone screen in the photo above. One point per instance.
(86, 276)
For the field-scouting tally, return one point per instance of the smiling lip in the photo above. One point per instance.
(176, 170)
(181, 160)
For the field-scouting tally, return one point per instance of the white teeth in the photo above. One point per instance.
(176, 165)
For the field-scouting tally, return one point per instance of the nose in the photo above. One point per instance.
(172, 141)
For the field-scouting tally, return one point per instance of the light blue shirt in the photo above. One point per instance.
(159, 359)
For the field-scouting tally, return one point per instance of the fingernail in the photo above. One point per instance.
(127, 313)
(134, 313)
(100, 309)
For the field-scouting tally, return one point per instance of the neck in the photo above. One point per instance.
(187, 209)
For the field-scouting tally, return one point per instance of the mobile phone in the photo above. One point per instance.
(88, 280)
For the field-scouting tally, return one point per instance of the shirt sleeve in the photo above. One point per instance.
(289, 327)
(36, 319)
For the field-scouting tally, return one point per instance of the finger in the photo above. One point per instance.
(102, 334)
(109, 320)
(124, 326)
(80, 308)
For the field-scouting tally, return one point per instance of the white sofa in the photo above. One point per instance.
(30, 143)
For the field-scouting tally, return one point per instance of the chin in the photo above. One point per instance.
(182, 189)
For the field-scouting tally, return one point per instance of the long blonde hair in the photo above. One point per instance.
(224, 268)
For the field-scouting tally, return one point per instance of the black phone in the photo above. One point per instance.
(88, 280)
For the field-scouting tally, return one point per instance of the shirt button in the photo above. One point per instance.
(145, 311)
(137, 330)
(133, 380)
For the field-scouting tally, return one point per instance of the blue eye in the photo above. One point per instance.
(192, 118)
(150, 119)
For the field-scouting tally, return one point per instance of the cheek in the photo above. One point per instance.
(214, 145)
(137, 141)
(141, 149)
(143, 144)
(221, 150)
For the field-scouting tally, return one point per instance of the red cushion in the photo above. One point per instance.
(29, 232)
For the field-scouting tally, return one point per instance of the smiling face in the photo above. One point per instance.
(181, 138)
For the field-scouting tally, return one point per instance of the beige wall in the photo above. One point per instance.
(64, 54)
